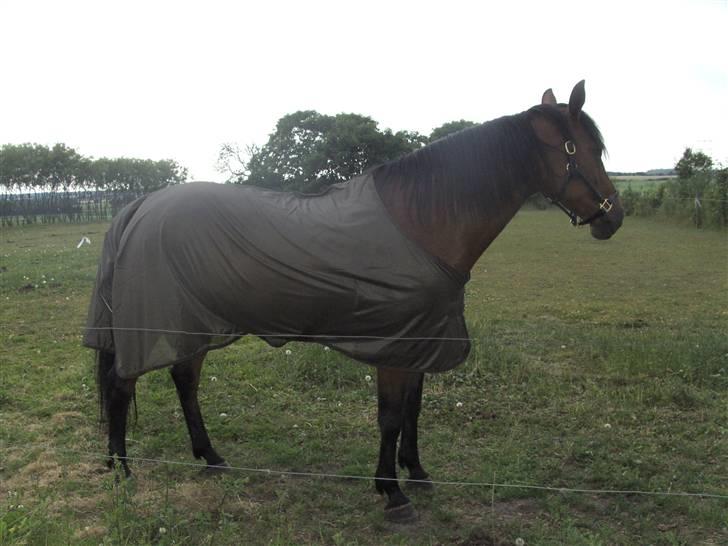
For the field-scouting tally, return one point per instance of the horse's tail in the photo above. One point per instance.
(99, 334)
(105, 377)
(104, 380)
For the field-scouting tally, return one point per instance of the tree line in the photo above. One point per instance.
(32, 168)
(307, 152)
(41, 184)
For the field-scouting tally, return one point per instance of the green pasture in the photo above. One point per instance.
(595, 365)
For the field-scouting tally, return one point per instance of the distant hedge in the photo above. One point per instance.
(701, 199)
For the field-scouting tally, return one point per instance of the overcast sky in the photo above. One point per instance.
(176, 79)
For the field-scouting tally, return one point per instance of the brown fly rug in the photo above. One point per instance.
(194, 267)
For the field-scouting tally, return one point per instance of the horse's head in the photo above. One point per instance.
(575, 180)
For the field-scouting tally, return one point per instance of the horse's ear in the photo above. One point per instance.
(576, 100)
(548, 97)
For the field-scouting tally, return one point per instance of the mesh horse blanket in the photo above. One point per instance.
(193, 267)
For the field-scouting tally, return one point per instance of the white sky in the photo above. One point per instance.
(176, 79)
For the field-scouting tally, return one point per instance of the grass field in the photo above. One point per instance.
(596, 365)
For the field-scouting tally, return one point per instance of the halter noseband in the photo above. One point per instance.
(572, 171)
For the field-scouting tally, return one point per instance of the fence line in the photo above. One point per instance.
(105, 213)
(326, 475)
(292, 336)
(701, 199)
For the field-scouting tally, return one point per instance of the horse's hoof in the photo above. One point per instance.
(423, 484)
(215, 469)
(404, 513)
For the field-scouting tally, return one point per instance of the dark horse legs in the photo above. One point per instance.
(186, 376)
(400, 399)
(116, 394)
(408, 455)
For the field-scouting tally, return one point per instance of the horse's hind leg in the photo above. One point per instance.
(186, 376)
(118, 397)
(408, 456)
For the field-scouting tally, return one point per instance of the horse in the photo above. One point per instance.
(155, 306)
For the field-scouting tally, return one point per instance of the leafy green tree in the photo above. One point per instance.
(449, 128)
(21, 165)
(694, 171)
(692, 163)
(717, 199)
(137, 175)
(309, 151)
(61, 168)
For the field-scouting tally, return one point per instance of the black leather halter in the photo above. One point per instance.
(572, 171)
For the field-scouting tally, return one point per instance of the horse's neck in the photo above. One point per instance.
(456, 242)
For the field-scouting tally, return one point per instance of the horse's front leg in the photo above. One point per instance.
(408, 456)
(186, 376)
(391, 387)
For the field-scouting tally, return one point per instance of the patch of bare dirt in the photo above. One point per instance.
(60, 418)
(515, 509)
(93, 531)
(480, 537)
(46, 471)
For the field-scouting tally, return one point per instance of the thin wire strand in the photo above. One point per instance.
(288, 336)
(326, 475)
(701, 199)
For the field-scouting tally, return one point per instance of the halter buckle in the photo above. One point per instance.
(570, 147)
(606, 205)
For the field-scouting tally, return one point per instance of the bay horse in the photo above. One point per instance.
(449, 199)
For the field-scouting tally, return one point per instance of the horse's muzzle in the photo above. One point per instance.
(606, 226)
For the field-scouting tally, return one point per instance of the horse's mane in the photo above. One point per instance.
(472, 172)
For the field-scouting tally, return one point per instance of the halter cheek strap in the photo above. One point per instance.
(605, 204)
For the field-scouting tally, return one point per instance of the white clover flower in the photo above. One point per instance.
(327, 348)
(162, 530)
(213, 379)
(223, 415)
(368, 378)
(288, 352)
(607, 426)
(459, 405)
(520, 542)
